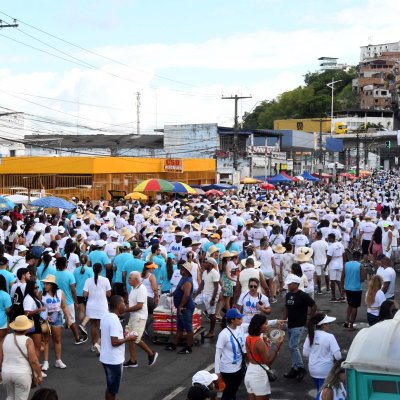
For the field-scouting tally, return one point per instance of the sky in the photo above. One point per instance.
(76, 66)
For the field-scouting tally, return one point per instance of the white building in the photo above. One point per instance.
(375, 50)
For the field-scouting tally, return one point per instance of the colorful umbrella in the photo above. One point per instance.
(6, 204)
(199, 191)
(154, 185)
(365, 173)
(250, 181)
(53, 202)
(214, 192)
(180, 187)
(136, 196)
(267, 186)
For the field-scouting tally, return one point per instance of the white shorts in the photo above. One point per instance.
(256, 380)
(319, 270)
(335, 274)
(138, 325)
(71, 311)
(206, 300)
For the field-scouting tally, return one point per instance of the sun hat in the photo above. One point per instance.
(292, 278)
(61, 229)
(233, 313)
(21, 323)
(49, 279)
(151, 266)
(204, 378)
(227, 254)
(211, 260)
(215, 236)
(279, 248)
(188, 267)
(327, 320)
(196, 226)
(212, 249)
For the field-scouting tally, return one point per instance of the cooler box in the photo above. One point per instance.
(164, 320)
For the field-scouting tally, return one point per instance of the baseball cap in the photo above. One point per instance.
(101, 243)
(21, 248)
(204, 378)
(200, 392)
(292, 278)
(126, 245)
(233, 313)
(211, 260)
(113, 234)
(215, 236)
(61, 229)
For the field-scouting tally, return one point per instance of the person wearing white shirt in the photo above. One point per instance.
(299, 240)
(374, 299)
(112, 353)
(137, 321)
(335, 262)
(320, 248)
(388, 275)
(321, 348)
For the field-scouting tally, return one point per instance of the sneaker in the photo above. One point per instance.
(301, 372)
(81, 340)
(153, 359)
(319, 292)
(273, 300)
(97, 349)
(342, 300)
(45, 366)
(170, 347)
(60, 364)
(185, 350)
(44, 375)
(291, 374)
(82, 329)
(130, 364)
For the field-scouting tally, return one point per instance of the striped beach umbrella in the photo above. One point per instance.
(154, 185)
(180, 187)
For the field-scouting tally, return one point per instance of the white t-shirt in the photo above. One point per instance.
(29, 304)
(209, 279)
(321, 354)
(139, 295)
(308, 271)
(231, 356)
(300, 240)
(97, 299)
(388, 275)
(110, 326)
(265, 257)
(335, 250)
(367, 228)
(73, 261)
(320, 248)
(249, 304)
(376, 305)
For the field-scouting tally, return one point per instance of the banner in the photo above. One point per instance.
(173, 165)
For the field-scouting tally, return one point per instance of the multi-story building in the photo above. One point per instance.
(372, 51)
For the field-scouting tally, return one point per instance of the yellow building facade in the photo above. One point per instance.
(93, 177)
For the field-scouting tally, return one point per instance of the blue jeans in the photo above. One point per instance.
(294, 337)
(113, 377)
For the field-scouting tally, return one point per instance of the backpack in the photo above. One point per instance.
(17, 307)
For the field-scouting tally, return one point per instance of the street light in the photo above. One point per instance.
(332, 86)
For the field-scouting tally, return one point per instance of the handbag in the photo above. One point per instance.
(272, 377)
(33, 384)
(243, 366)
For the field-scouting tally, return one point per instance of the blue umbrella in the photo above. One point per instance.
(55, 202)
(6, 204)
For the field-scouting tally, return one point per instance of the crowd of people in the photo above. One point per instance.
(232, 256)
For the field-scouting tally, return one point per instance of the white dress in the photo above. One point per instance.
(97, 306)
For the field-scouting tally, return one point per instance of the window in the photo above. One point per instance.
(12, 153)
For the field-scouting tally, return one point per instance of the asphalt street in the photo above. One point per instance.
(170, 377)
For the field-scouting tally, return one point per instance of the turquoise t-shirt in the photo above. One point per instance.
(352, 280)
(165, 282)
(234, 247)
(64, 280)
(5, 302)
(99, 257)
(160, 262)
(119, 262)
(49, 271)
(134, 265)
(9, 277)
(80, 279)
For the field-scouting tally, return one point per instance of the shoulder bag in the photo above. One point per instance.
(271, 373)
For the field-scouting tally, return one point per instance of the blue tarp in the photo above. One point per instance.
(308, 177)
(279, 178)
(218, 186)
(334, 145)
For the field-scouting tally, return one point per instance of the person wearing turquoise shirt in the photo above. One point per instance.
(123, 258)
(45, 268)
(81, 274)
(136, 264)
(8, 276)
(99, 256)
(5, 304)
(166, 274)
(66, 282)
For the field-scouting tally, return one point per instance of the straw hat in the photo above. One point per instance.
(196, 226)
(205, 232)
(149, 231)
(189, 218)
(212, 249)
(221, 220)
(227, 254)
(49, 279)
(306, 251)
(256, 263)
(128, 235)
(188, 267)
(21, 323)
(170, 228)
(280, 249)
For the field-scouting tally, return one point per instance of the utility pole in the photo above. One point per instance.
(6, 25)
(357, 153)
(319, 145)
(236, 129)
(138, 112)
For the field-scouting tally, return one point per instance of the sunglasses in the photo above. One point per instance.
(253, 286)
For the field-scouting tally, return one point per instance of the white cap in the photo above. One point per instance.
(292, 278)
(21, 248)
(101, 243)
(113, 234)
(61, 229)
(204, 378)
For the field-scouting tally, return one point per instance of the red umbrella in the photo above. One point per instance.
(267, 186)
(214, 192)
